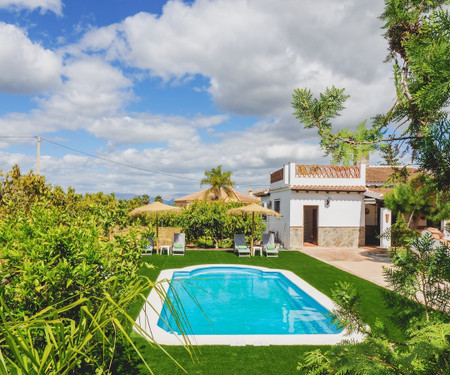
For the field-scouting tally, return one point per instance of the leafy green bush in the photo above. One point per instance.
(399, 233)
(65, 280)
(420, 273)
(50, 256)
(211, 220)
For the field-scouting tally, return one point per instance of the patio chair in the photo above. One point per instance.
(148, 250)
(179, 244)
(269, 245)
(240, 246)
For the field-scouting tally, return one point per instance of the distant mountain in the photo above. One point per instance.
(129, 196)
(125, 195)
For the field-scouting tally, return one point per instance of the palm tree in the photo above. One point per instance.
(219, 181)
(158, 198)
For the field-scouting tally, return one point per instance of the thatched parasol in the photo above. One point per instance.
(154, 208)
(252, 209)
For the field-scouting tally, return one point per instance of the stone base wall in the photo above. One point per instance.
(341, 237)
(362, 236)
(295, 238)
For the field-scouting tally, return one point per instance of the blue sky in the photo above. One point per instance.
(141, 97)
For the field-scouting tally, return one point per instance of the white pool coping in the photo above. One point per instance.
(149, 316)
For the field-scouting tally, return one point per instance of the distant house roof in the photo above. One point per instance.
(378, 175)
(200, 195)
(377, 192)
(262, 193)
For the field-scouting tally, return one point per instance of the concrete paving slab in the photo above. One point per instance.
(362, 262)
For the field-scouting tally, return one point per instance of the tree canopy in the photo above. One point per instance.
(418, 36)
(66, 279)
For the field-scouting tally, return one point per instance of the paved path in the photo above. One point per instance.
(357, 261)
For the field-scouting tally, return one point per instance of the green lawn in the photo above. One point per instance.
(248, 360)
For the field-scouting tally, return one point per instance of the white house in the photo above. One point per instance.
(328, 206)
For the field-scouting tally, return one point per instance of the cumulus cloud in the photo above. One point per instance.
(26, 67)
(44, 5)
(148, 128)
(145, 129)
(256, 52)
(252, 54)
(179, 166)
(92, 88)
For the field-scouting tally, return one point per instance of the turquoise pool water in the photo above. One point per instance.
(242, 301)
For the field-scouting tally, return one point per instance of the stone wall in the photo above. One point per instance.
(295, 238)
(362, 236)
(341, 237)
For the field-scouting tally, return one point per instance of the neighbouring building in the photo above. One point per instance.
(328, 205)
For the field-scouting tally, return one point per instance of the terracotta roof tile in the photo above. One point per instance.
(328, 171)
(380, 191)
(260, 193)
(380, 174)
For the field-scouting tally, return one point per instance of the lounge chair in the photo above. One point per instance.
(179, 244)
(269, 245)
(240, 246)
(148, 250)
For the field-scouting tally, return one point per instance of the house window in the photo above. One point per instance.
(276, 205)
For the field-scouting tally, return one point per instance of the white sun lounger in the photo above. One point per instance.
(269, 245)
(240, 246)
(179, 244)
(148, 250)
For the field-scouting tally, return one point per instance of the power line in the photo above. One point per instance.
(19, 136)
(116, 162)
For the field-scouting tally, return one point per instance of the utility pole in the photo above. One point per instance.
(38, 162)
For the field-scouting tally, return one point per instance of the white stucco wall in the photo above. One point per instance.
(344, 210)
(385, 225)
(279, 226)
(444, 224)
(371, 217)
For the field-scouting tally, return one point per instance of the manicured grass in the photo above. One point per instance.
(256, 360)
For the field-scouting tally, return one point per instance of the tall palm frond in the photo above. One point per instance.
(219, 181)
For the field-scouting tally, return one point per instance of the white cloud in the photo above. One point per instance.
(26, 67)
(44, 5)
(250, 154)
(7, 160)
(255, 52)
(92, 88)
(147, 128)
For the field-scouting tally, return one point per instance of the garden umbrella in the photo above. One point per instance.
(154, 208)
(253, 209)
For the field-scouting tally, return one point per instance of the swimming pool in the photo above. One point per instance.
(239, 305)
